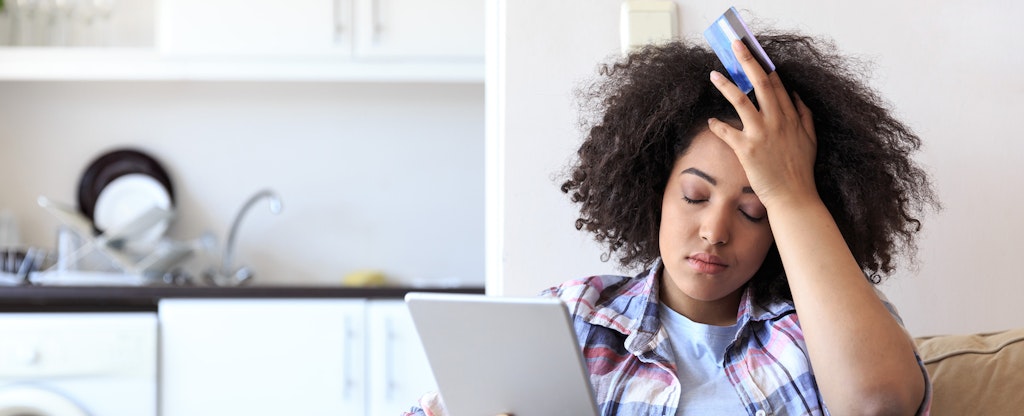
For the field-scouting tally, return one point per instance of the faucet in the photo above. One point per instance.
(225, 276)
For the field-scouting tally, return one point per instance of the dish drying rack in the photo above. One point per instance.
(128, 264)
(151, 265)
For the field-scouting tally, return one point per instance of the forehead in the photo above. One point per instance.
(709, 153)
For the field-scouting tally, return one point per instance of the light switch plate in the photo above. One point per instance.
(647, 21)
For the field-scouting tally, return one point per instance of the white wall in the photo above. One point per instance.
(373, 176)
(950, 69)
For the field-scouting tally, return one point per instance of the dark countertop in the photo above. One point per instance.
(146, 298)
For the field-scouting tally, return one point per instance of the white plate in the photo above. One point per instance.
(128, 197)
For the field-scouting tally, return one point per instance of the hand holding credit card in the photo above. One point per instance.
(727, 28)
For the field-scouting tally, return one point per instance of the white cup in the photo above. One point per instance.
(9, 234)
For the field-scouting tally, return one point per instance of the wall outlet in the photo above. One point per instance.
(647, 21)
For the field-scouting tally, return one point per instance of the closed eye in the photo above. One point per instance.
(753, 218)
(749, 217)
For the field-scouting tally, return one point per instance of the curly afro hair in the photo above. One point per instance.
(643, 111)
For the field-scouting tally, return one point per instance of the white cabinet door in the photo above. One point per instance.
(398, 371)
(262, 357)
(356, 29)
(419, 29)
(227, 28)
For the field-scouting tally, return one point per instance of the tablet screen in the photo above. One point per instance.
(502, 355)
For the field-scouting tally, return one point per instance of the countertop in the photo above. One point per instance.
(146, 298)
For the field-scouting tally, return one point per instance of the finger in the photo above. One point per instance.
(744, 108)
(785, 105)
(806, 117)
(725, 131)
(763, 89)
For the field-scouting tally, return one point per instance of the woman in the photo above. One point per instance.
(762, 221)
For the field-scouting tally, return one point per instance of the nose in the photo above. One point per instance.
(716, 226)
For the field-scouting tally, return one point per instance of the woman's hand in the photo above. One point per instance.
(777, 145)
(863, 360)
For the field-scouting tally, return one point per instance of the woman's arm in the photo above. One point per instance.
(863, 360)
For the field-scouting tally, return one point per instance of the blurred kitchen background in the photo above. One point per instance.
(365, 118)
(403, 157)
(373, 123)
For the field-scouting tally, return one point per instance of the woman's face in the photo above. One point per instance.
(714, 233)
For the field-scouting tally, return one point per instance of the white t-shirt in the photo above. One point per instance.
(699, 349)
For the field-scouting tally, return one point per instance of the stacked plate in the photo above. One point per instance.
(122, 186)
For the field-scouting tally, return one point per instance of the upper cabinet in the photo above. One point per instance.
(318, 40)
(407, 30)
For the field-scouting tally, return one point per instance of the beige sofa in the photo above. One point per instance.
(978, 374)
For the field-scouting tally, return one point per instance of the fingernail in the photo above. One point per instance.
(716, 76)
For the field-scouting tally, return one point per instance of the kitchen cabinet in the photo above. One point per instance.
(398, 370)
(358, 29)
(265, 40)
(289, 356)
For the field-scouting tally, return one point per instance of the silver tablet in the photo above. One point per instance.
(502, 355)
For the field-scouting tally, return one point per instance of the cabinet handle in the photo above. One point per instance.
(389, 361)
(347, 383)
(375, 18)
(340, 21)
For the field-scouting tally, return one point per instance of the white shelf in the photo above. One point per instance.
(141, 64)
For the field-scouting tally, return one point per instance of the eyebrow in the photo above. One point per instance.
(711, 179)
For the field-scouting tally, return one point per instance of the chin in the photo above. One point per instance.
(708, 297)
(704, 293)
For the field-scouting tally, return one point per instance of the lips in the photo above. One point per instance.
(706, 263)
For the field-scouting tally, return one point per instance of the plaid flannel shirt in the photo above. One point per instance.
(631, 362)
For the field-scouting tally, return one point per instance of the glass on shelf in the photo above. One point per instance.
(59, 23)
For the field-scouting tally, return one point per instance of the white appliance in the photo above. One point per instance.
(78, 364)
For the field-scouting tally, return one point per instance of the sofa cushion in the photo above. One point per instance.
(977, 374)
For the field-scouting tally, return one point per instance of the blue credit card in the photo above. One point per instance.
(727, 28)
